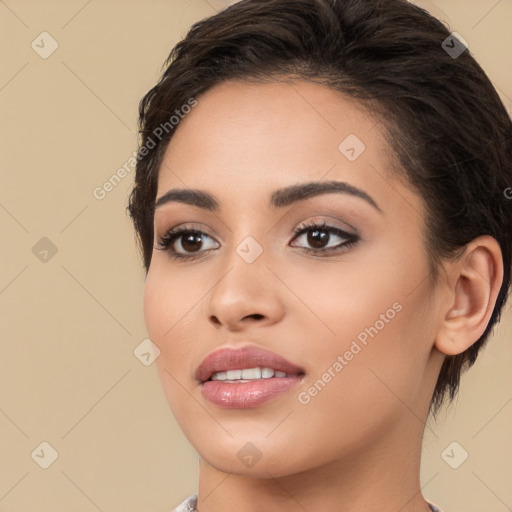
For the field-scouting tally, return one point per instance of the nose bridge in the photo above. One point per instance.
(243, 270)
(243, 287)
(246, 249)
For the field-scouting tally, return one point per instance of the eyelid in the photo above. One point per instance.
(303, 228)
(329, 221)
(189, 226)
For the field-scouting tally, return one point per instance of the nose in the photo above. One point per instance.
(245, 294)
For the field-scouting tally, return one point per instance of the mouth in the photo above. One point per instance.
(245, 363)
(246, 377)
(250, 374)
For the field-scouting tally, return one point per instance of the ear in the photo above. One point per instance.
(475, 280)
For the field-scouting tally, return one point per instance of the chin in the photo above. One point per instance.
(260, 458)
(257, 468)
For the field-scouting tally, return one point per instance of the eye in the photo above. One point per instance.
(320, 235)
(182, 242)
(188, 243)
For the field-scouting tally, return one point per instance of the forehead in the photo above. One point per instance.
(251, 138)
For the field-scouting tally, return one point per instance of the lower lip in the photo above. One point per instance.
(244, 395)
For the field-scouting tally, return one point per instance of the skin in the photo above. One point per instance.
(356, 445)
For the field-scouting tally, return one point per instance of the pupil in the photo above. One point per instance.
(192, 242)
(317, 238)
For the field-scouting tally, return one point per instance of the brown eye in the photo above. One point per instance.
(183, 243)
(191, 242)
(317, 238)
(318, 235)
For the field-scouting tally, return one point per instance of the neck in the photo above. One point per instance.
(380, 477)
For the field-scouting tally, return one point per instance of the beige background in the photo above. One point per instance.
(68, 373)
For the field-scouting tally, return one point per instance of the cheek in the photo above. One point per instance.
(167, 313)
(156, 303)
(355, 297)
(375, 314)
(377, 381)
(168, 304)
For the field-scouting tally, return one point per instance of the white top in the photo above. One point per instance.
(189, 505)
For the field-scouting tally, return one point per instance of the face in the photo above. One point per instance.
(335, 281)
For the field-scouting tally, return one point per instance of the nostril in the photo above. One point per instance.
(256, 316)
(215, 320)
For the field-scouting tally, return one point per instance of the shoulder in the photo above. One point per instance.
(433, 507)
(189, 505)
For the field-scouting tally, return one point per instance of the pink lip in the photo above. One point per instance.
(243, 395)
(246, 357)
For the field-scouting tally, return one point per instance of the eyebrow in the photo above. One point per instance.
(279, 198)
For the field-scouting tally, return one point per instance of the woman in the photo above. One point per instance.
(320, 200)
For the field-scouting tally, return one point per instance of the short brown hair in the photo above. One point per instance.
(445, 121)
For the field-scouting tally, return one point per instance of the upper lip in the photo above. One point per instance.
(245, 357)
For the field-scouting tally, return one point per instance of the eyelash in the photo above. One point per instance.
(165, 242)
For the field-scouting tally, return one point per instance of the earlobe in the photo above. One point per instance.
(476, 279)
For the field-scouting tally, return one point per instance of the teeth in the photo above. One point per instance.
(266, 373)
(251, 373)
(248, 374)
(233, 374)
